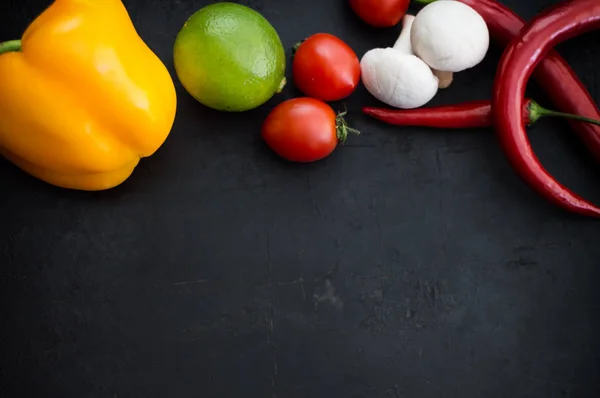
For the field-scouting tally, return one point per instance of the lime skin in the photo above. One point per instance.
(229, 57)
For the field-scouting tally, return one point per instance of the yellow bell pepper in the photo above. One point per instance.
(82, 97)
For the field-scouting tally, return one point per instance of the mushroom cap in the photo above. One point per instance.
(450, 36)
(397, 79)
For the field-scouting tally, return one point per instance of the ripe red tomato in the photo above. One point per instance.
(326, 68)
(380, 13)
(302, 129)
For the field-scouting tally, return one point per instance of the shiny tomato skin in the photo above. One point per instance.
(301, 129)
(325, 68)
(380, 13)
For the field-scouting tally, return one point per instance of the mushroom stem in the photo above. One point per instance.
(444, 78)
(403, 43)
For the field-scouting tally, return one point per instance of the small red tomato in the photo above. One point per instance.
(304, 129)
(380, 13)
(325, 67)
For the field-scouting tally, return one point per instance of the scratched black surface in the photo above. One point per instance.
(411, 263)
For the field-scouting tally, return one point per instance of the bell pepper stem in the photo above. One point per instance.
(10, 46)
(536, 111)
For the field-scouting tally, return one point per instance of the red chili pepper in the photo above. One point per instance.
(461, 116)
(550, 28)
(559, 81)
(466, 115)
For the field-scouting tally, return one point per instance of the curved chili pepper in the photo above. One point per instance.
(461, 116)
(559, 81)
(548, 29)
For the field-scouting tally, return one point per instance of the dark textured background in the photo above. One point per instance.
(411, 263)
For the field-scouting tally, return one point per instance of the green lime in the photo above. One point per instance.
(229, 57)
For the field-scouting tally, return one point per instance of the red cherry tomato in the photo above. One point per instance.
(326, 68)
(380, 13)
(304, 129)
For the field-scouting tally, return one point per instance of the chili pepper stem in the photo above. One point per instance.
(536, 111)
(10, 46)
(342, 127)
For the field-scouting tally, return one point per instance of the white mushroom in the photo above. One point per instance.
(395, 76)
(450, 37)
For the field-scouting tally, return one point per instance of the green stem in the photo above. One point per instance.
(342, 127)
(297, 46)
(10, 46)
(424, 2)
(536, 111)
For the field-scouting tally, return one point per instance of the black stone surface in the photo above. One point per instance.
(410, 263)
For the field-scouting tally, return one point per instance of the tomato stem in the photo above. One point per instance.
(342, 127)
(536, 111)
(10, 46)
(296, 47)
